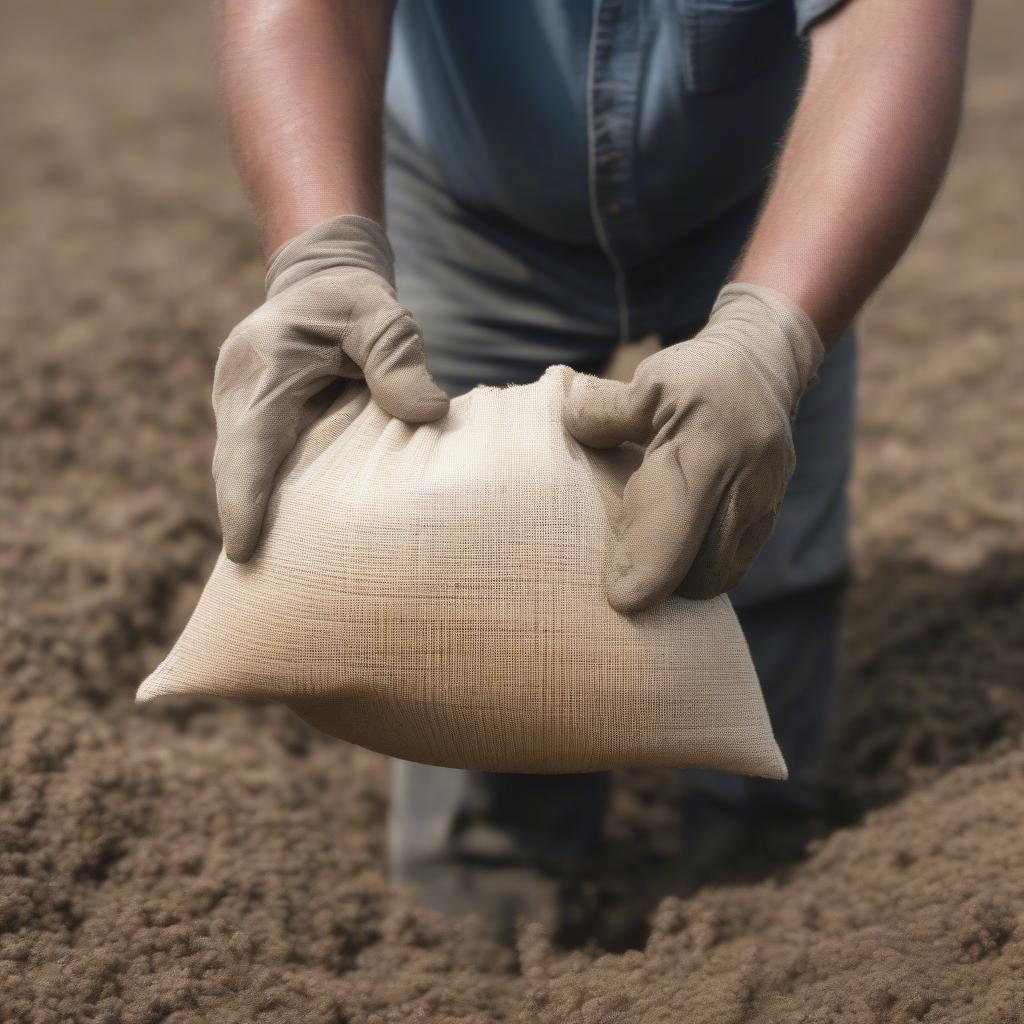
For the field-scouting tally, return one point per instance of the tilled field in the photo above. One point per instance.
(195, 861)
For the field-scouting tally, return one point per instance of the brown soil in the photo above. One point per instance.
(205, 862)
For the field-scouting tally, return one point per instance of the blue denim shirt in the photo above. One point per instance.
(635, 119)
(641, 127)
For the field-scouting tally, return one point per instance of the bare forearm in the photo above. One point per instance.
(865, 154)
(303, 84)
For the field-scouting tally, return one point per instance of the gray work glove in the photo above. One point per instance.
(330, 314)
(715, 414)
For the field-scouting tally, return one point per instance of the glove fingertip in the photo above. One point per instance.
(241, 519)
(414, 409)
(628, 590)
(428, 405)
(592, 414)
(574, 403)
(238, 547)
(409, 394)
(628, 596)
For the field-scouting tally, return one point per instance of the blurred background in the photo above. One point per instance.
(197, 861)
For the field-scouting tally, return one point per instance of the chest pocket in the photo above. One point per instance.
(728, 42)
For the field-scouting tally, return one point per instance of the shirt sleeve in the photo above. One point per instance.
(810, 12)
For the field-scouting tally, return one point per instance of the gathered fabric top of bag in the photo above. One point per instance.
(436, 593)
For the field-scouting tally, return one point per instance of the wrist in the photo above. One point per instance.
(283, 223)
(830, 313)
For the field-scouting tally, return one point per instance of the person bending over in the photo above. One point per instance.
(733, 177)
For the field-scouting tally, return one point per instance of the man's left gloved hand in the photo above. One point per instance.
(715, 414)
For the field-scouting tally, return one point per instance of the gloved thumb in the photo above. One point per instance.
(395, 369)
(604, 413)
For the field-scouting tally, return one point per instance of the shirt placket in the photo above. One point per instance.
(612, 110)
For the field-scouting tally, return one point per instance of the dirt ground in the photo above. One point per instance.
(203, 862)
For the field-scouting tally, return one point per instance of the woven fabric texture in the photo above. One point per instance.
(436, 593)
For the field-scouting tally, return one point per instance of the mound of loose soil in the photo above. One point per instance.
(206, 862)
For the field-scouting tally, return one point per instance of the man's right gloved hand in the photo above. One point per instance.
(330, 313)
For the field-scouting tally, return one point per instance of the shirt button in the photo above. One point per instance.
(614, 209)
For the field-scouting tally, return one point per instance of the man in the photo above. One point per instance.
(563, 175)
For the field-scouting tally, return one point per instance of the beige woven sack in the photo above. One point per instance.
(436, 593)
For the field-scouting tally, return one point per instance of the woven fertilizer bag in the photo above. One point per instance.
(436, 593)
